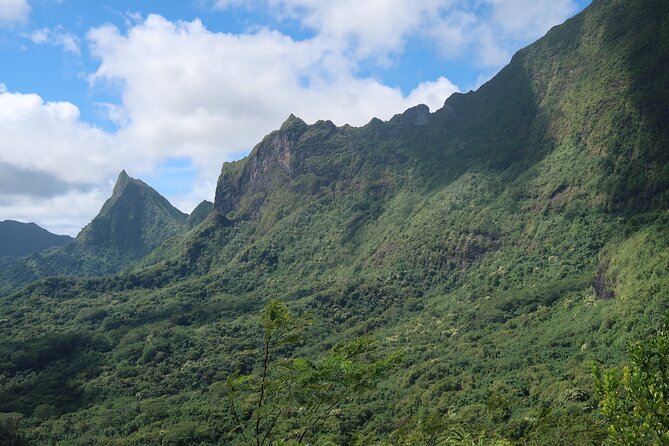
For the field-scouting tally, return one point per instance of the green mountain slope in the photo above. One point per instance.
(199, 214)
(20, 239)
(133, 222)
(503, 244)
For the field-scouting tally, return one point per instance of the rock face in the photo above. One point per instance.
(269, 165)
(418, 115)
(551, 98)
(603, 285)
(20, 239)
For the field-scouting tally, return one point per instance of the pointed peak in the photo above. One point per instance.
(123, 177)
(292, 123)
(124, 180)
(121, 182)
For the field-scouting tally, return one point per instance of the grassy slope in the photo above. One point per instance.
(470, 239)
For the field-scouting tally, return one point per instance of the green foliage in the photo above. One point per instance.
(288, 399)
(199, 214)
(635, 399)
(9, 431)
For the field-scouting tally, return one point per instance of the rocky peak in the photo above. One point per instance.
(121, 183)
(293, 124)
(418, 115)
(135, 218)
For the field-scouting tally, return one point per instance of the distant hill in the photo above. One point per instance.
(200, 212)
(20, 239)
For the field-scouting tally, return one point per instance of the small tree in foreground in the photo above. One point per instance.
(635, 400)
(285, 399)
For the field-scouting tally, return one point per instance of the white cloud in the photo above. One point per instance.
(50, 137)
(189, 92)
(40, 36)
(432, 93)
(373, 27)
(529, 19)
(57, 36)
(14, 11)
(489, 30)
(62, 214)
(186, 93)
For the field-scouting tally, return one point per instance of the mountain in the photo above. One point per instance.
(132, 222)
(20, 239)
(502, 244)
(200, 212)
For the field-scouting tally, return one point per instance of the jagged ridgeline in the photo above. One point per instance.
(502, 243)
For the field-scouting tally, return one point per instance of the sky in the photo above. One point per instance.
(169, 90)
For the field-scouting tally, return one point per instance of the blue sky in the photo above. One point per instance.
(170, 90)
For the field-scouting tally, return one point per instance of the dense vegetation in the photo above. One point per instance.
(491, 252)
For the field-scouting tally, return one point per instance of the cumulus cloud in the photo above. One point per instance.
(57, 36)
(491, 30)
(488, 29)
(14, 11)
(190, 92)
(19, 182)
(54, 169)
(65, 213)
(50, 137)
(373, 27)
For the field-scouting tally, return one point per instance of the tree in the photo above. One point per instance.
(9, 430)
(635, 399)
(285, 399)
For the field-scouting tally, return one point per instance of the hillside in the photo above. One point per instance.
(20, 239)
(133, 222)
(199, 214)
(502, 244)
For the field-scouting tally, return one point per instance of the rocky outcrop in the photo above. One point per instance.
(602, 284)
(269, 165)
